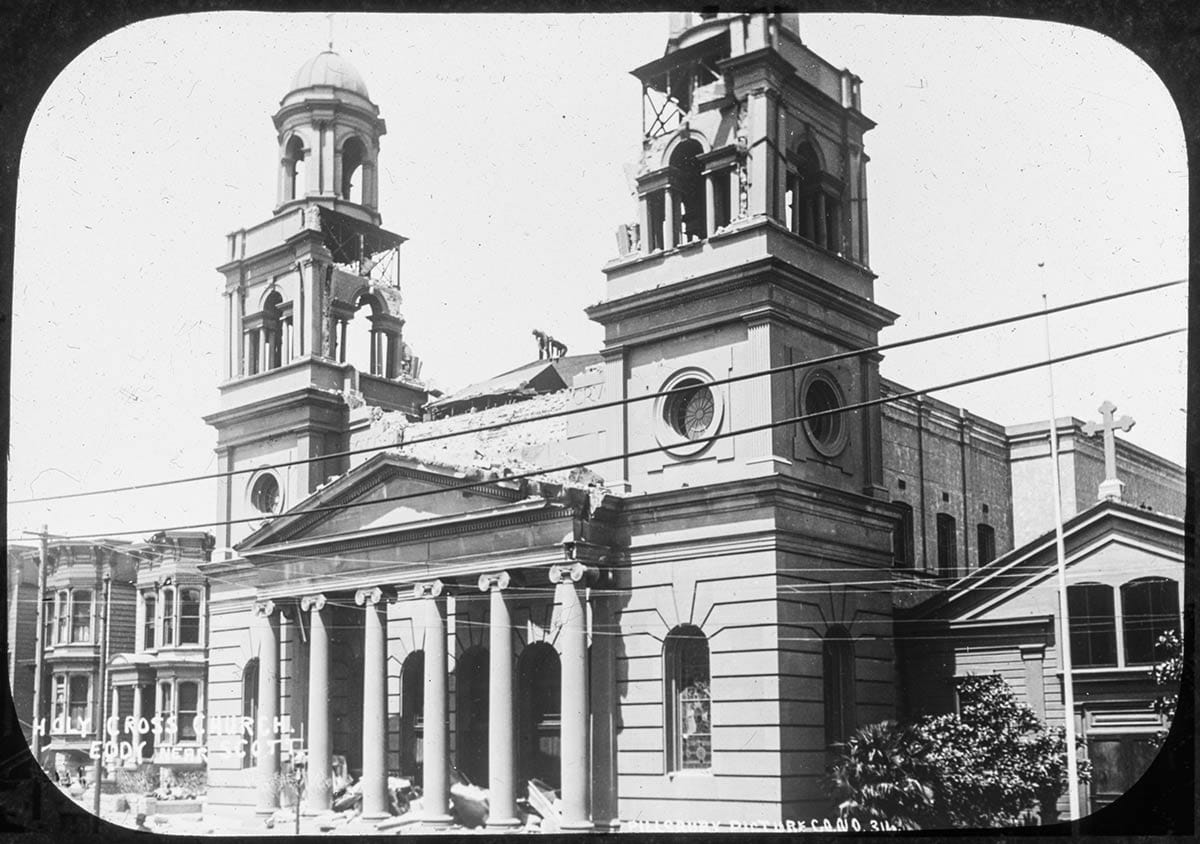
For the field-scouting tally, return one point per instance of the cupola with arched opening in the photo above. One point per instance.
(329, 131)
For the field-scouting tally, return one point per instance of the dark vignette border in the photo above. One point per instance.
(38, 38)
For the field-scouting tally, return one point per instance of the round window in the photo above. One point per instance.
(688, 413)
(824, 426)
(264, 495)
(689, 410)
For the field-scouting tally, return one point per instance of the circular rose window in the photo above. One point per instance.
(825, 427)
(264, 495)
(690, 409)
(689, 414)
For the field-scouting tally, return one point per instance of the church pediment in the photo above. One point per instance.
(1107, 543)
(386, 491)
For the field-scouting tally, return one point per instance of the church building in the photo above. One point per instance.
(657, 584)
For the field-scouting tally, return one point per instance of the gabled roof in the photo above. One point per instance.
(1000, 579)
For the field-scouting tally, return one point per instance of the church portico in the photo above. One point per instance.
(524, 732)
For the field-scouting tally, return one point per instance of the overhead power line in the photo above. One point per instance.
(566, 467)
(605, 405)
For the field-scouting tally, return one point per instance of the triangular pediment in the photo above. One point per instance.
(386, 491)
(1106, 542)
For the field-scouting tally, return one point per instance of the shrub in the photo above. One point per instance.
(991, 764)
(881, 776)
(142, 780)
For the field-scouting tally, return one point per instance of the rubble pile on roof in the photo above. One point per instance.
(507, 450)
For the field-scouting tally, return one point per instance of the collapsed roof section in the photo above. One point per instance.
(526, 381)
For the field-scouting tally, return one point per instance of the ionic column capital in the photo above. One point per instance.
(429, 589)
(313, 603)
(374, 596)
(499, 581)
(573, 573)
(264, 609)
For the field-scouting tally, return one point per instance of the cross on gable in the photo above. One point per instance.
(1111, 487)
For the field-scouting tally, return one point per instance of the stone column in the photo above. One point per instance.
(267, 621)
(572, 638)
(374, 728)
(710, 203)
(669, 214)
(436, 798)
(501, 770)
(320, 759)
(822, 234)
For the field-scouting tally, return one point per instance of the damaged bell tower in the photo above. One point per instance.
(311, 311)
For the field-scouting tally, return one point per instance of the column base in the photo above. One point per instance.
(577, 826)
(504, 823)
(437, 820)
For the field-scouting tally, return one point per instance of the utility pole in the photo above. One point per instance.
(39, 654)
(1064, 624)
(102, 681)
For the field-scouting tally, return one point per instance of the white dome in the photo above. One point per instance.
(329, 69)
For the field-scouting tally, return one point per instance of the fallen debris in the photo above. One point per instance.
(544, 800)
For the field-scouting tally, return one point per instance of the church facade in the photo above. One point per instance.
(654, 583)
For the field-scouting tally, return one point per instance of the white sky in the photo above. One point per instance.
(1001, 145)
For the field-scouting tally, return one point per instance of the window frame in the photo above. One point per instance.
(168, 617)
(1077, 589)
(839, 686)
(181, 616)
(985, 540)
(674, 651)
(904, 538)
(62, 616)
(150, 620)
(89, 617)
(1124, 622)
(948, 561)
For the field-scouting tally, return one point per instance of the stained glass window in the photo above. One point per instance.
(689, 699)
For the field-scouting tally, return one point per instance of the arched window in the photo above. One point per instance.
(249, 708)
(837, 657)
(813, 200)
(1093, 625)
(1149, 608)
(354, 154)
(293, 164)
(412, 716)
(364, 346)
(272, 332)
(687, 678)
(687, 191)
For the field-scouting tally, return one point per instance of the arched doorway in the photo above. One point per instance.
(471, 715)
(539, 683)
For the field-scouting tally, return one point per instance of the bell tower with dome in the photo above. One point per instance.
(329, 133)
(311, 307)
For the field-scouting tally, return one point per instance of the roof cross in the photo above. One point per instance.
(1110, 489)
